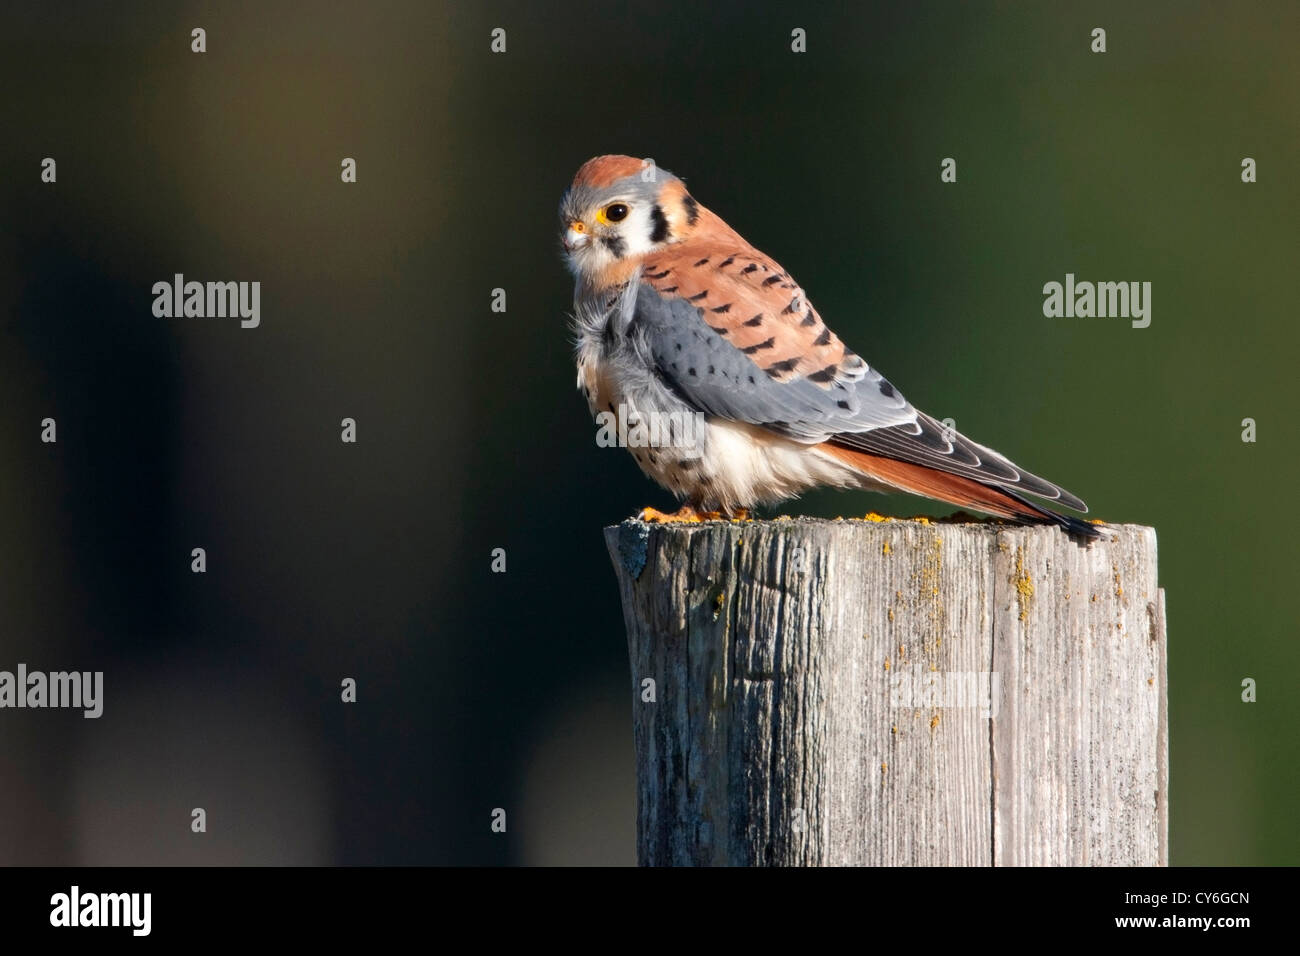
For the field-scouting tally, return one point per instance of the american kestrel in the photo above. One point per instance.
(679, 320)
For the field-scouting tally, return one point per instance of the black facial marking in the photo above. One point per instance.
(692, 209)
(765, 344)
(660, 231)
(824, 338)
(615, 245)
(755, 321)
(825, 375)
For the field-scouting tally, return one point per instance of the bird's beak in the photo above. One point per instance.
(575, 237)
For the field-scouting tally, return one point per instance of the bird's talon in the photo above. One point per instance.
(684, 514)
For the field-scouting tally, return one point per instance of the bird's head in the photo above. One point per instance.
(618, 210)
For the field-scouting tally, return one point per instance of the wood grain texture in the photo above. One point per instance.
(895, 693)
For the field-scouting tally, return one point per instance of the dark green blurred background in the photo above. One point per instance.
(481, 690)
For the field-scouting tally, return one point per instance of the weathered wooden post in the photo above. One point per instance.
(895, 692)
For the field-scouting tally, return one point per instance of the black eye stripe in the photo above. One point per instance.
(659, 225)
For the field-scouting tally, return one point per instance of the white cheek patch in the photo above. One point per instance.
(637, 229)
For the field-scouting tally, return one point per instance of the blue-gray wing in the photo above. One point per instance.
(753, 359)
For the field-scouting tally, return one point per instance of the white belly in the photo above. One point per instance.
(729, 465)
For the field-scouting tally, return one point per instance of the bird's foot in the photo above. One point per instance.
(690, 514)
(687, 514)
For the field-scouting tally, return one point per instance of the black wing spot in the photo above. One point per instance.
(825, 375)
(711, 370)
(765, 344)
(720, 331)
(703, 261)
(809, 318)
(669, 288)
(780, 368)
(722, 308)
(771, 279)
(792, 308)
(752, 267)
(824, 338)
(843, 404)
(691, 372)
(755, 321)
(886, 389)
(657, 275)
(726, 262)
(697, 297)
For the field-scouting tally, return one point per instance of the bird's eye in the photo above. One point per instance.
(614, 212)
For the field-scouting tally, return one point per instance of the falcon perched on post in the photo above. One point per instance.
(680, 320)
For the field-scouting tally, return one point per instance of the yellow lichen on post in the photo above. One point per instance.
(1024, 586)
